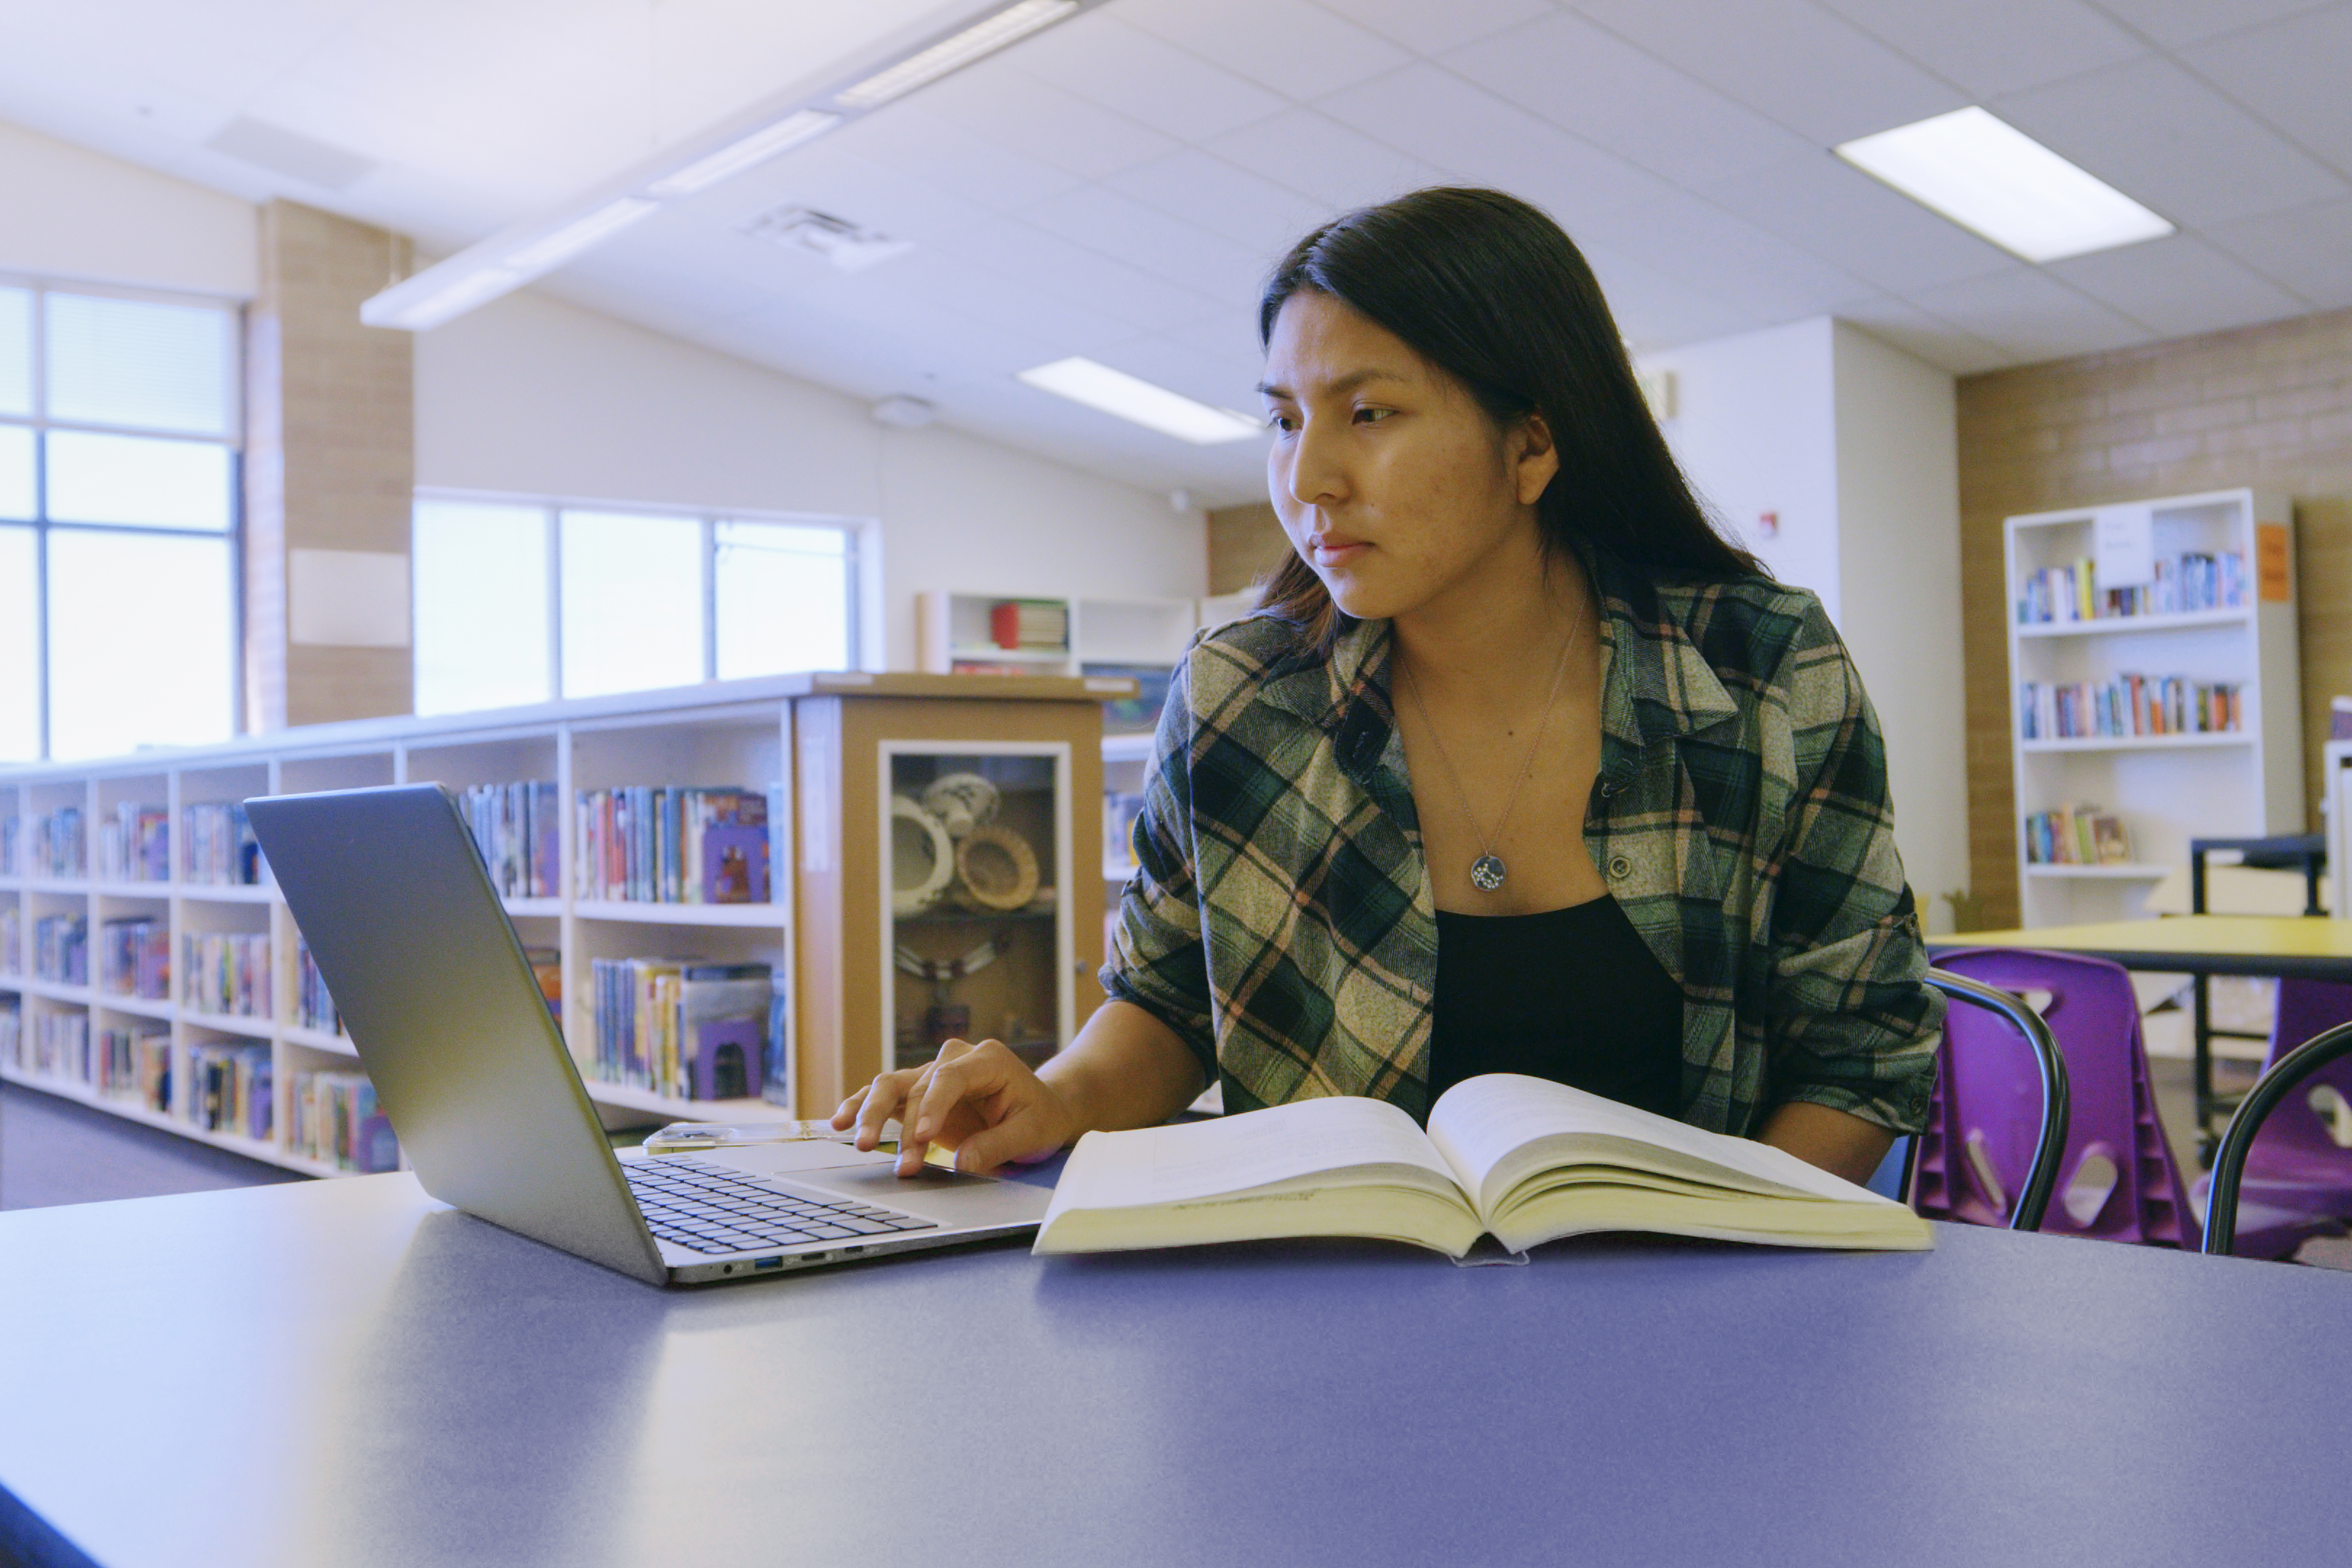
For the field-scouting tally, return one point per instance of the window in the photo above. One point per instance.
(118, 522)
(523, 601)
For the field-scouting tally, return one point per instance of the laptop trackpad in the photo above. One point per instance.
(940, 1196)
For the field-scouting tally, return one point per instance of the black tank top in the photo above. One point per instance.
(1574, 995)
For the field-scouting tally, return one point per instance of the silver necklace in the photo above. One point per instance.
(1487, 872)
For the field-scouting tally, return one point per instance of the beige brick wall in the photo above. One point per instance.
(2267, 406)
(331, 456)
(1244, 543)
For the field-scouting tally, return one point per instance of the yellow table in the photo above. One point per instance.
(2271, 946)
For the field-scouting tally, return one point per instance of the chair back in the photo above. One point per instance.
(2275, 1086)
(2297, 1180)
(2116, 1180)
(2050, 1072)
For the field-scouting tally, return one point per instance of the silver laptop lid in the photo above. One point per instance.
(431, 983)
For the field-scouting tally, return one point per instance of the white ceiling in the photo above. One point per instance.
(1117, 185)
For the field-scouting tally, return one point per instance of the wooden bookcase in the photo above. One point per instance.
(785, 730)
(2167, 787)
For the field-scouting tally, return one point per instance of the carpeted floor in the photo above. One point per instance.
(53, 1150)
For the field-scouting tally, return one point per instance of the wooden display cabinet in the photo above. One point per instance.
(871, 890)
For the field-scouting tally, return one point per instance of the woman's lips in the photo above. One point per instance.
(1333, 551)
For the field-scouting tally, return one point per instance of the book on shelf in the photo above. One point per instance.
(135, 843)
(2183, 585)
(135, 958)
(11, 937)
(226, 974)
(989, 666)
(54, 845)
(336, 1123)
(2130, 706)
(2339, 717)
(230, 1089)
(2077, 834)
(61, 949)
(689, 1029)
(1138, 714)
(517, 828)
(58, 1045)
(1521, 1159)
(547, 969)
(220, 849)
(1030, 625)
(655, 844)
(313, 1009)
(134, 1064)
(12, 1031)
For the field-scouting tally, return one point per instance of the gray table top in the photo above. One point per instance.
(347, 1373)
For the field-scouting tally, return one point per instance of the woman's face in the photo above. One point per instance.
(1390, 479)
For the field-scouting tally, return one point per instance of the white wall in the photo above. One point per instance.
(71, 215)
(1852, 444)
(534, 396)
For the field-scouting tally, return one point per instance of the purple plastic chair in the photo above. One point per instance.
(2298, 1178)
(2118, 1181)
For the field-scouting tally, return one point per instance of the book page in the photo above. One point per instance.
(1306, 1139)
(1485, 1128)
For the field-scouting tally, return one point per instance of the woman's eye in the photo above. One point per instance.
(1373, 415)
(1281, 422)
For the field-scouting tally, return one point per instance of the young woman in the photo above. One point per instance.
(1521, 767)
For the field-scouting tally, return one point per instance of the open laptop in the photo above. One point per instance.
(432, 983)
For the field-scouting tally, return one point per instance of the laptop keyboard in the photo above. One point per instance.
(710, 1208)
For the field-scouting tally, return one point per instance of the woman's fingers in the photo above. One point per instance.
(882, 1100)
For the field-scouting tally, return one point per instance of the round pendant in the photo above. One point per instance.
(1486, 873)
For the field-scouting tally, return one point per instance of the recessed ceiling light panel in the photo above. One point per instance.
(1987, 176)
(844, 244)
(1139, 402)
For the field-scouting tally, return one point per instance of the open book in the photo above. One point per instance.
(1522, 1158)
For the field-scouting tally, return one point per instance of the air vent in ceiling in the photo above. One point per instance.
(838, 240)
(289, 152)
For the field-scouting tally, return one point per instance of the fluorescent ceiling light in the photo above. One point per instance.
(553, 251)
(425, 310)
(757, 148)
(1989, 176)
(1116, 392)
(984, 37)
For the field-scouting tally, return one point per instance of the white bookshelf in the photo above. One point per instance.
(2166, 787)
(733, 733)
(2336, 800)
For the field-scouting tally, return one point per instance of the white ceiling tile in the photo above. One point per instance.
(1924, 337)
(1145, 237)
(1479, 138)
(1223, 198)
(829, 179)
(1029, 253)
(1219, 382)
(2176, 22)
(991, 299)
(1101, 58)
(2294, 74)
(2032, 315)
(2308, 249)
(1988, 46)
(1432, 26)
(1656, 312)
(1597, 85)
(1317, 156)
(1728, 258)
(1811, 71)
(1034, 116)
(1826, 206)
(914, 142)
(2179, 286)
(2162, 137)
(1293, 47)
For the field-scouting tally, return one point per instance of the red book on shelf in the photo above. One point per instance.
(1004, 625)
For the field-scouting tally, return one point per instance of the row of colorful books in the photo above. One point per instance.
(135, 958)
(61, 949)
(12, 1031)
(649, 844)
(313, 1009)
(53, 844)
(2130, 705)
(335, 1121)
(226, 972)
(518, 828)
(135, 843)
(689, 1029)
(2186, 583)
(217, 845)
(228, 1089)
(2077, 834)
(1035, 624)
(135, 1064)
(55, 1045)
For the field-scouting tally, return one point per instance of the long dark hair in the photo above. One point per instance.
(1489, 289)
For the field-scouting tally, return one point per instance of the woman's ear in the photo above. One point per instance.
(1535, 459)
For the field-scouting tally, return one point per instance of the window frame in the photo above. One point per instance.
(861, 556)
(39, 423)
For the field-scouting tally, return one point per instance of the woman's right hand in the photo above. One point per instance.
(980, 1100)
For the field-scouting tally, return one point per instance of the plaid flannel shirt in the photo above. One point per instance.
(1281, 919)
